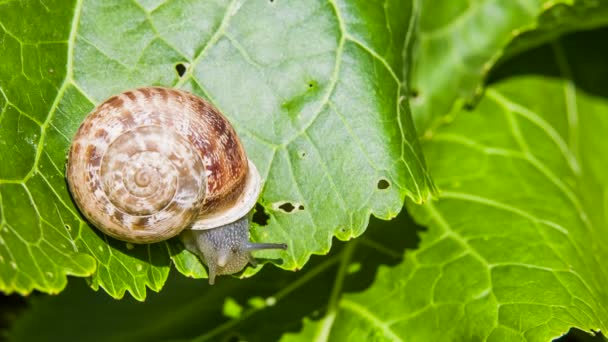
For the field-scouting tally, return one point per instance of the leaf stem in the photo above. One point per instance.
(332, 308)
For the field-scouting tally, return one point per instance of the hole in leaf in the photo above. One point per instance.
(67, 226)
(181, 69)
(287, 207)
(302, 154)
(414, 93)
(260, 216)
(383, 184)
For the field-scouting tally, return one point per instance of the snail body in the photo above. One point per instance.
(151, 163)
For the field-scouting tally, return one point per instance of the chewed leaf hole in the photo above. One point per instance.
(67, 226)
(260, 216)
(383, 184)
(288, 207)
(414, 93)
(181, 69)
(312, 84)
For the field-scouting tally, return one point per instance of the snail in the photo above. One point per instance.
(151, 163)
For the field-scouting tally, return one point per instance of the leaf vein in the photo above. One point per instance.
(231, 10)
(367, 315)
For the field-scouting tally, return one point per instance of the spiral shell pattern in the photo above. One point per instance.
(147, 163)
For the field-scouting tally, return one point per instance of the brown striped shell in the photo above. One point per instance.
(150, 162)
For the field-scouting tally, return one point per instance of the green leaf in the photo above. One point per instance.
(458, 42)
(516, 246)
(557, 20)
(37, 249)
(314, 89)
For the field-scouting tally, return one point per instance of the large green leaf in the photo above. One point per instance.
(516, 248)
(459, 41)
(313, 89)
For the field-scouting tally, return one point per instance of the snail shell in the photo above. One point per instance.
(150, 162)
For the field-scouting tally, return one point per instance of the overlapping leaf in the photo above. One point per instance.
(458, 42)
(313, 89)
